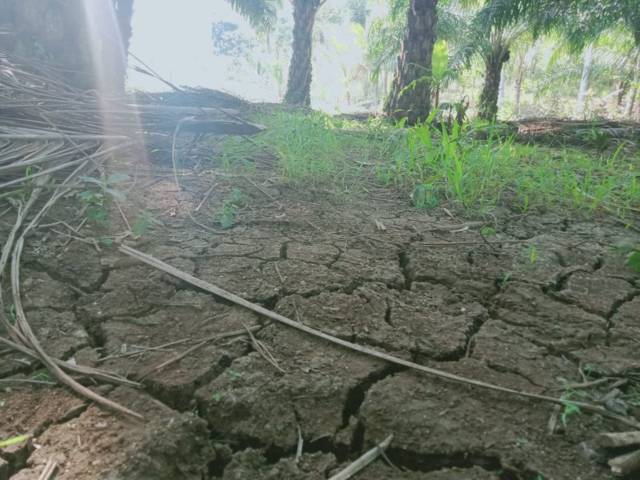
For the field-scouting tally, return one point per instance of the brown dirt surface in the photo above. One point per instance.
(427, 288)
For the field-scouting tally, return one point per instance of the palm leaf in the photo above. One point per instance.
(261, 14)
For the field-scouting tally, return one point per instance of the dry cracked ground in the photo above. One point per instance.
(544, 299)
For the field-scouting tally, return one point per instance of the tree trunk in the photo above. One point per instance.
(584, 81)
(633, 91)
(299, 82)
(501, 89)
(107, 46)
(385, 82)
(124, 14)
(621, 91)
(518, 84)
(488, 107)
(410, 95)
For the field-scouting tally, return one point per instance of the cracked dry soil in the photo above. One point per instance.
(423, 290)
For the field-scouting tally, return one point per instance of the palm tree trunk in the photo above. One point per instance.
(584, 81)
(118, 48)
(518, 84)
(621, 91)
(124, 14)
(299, 82)
(633, 91)
(488, 107)
(410, 95)
(501, 89)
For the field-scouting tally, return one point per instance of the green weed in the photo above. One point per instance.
(633, 261)
(95, 200)
(42, 376)
(505, 280)
(217, 397)
(488, 231)
(230, 207)
(95, 209)
(570, 408)
(425, 196)
(631, 251)
(144, 222)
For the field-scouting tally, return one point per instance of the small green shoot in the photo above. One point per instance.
(533, 254)
(12, 313)
(106, 241)
(228, 216)
(570, 408)
(217, 397)
(487, 231)
(95, 210)
(95, 201)
(633, 261)
(504, 280)
(424, 196)
(14, 440)
(230, 207)
(42, 376)
(143, 223)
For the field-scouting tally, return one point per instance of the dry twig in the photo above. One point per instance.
(212, 338)
(363, 461)
(49, 470)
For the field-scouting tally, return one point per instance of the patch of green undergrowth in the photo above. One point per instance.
(238, 155)
(479, 173)
(309, 147)
(476, 166)
(316, 148)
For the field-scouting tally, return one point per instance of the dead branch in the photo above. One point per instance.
(616, 440)
(625, 464)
